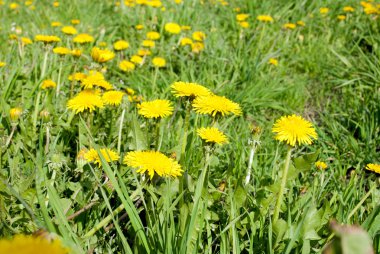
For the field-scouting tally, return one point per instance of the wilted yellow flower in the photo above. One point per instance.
(186, 41)
(373, 167)
(95, 79)
(172, 28)
(197, 47)
(56, 24)
(320, 165)
(75, 21)
(61, 51)
(101, 55)
(15, 113)
(242, 17)
(126, 66)
(108, 154)
(153, 162)
(47, 38)
(83, 38)
(120, 45)
(148, 43)
(191, 90)
(137, 59)
(21, 244)
(69, 30)
(153, 35)
(293, 129)
(155, 109)
(13, 37)
(48, 83)
(264, 18)
(113, 97)
(214, 105)
(289, 26)
(348, 9)
(273, 61)
(324, 10)
(199, 36)
(159, 62)
(212, 135)
(86, 100)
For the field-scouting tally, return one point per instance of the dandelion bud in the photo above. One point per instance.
(15, 114)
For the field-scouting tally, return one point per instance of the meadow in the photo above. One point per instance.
(189, 126)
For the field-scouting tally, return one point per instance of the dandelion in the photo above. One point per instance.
(86, 100)
(95, 79)
(14, 6)
(139, 27)
(212, 135)
(144, 52)
(137, 59)
(273, 61)
(56, 24)
(242, 17)
(120, 45)
(153, 162)
(126, 66)
(155, 109)
(186, 28)
(31, 244)
(47, 38)
(191, 90)
(294, 129)
(320, 165)
(301, 23)
(324, 10)
(148, 43)
(76, 52)
(289, 26)
(69, 30)
(244, 24)
(199, 36)
(215, 105)
(341, 17)
(348, 9)
(83, 38)
(113, 98)
(159, 62)
(197, 47)
(186, 41)
(78, 76)
(26, 41)
(56, 4)
(61, 51)
(101, 55)
(373, 167)
(75, 21)
(264, 18)
(15, 113)
(48, 84)
(2, 64)
(93, 156)
(153, 35)
(172, 28)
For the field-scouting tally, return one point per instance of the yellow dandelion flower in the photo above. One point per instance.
(214, 105)
(244, 24)
(186, 89)
(289, 26)
(101, 55)
(95, 79)
(48, 84)
(159, 62)
(242, 17)
(212, 135)
(301, 23)
(76, 52)
(153, 162)
(86, 100)
(47, 38)
(69, 30)
(14, 6)
(139, 27)
(144, 52)
(155, 109)
(28, 3)
(172, 28)
(197, 47)
(15, 113)
(75, 21)
(348, 9)
(293, 129)
(61, 51)
(324, 10)
(148, 43)
(373, 167)
(264, 18)
(153, 35)
(126, 66)
(77, 76)
(2, 64)
(137, 59)
(113, 98)
(83, 38)
(273, 61)
(26, 41)
(108, 154)
(31, 244)
(186, 28)
(56, 4)
(199, 36)
(56, 24)
(341, 17)
(320, 165)
(186, 41)
(120, 45)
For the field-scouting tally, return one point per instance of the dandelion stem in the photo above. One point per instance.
(59, 80)
(47, 139)
(254, 144)
(14, 126)
(120, 131)
(44, 64)
(283, 184)
(361, 201)
(36, 109)
(185, 130)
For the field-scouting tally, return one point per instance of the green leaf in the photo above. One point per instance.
(139, 141)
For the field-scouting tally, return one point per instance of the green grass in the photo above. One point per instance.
(328, 72)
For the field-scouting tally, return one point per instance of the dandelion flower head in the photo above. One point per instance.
(102, 55)
(87, 99)
(108, 154)
(95, 78)
(212, 135)
(214, 105)
(155, 109)
(320, 165)
(187, 89)
(373, 167)
(113, 97)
